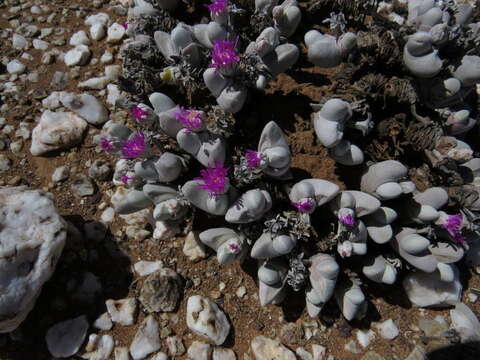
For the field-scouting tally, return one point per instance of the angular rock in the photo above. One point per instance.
(99, 347)
(193, 248)
(86, 106)
(146, 340)
(264, 348)
(199, 351)
(161, 291)
(32, 237)
(206, 319)
(122, 311)
(57, 130)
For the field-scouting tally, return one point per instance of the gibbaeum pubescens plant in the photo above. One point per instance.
(264, 210)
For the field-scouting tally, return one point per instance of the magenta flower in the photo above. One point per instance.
(347, 220)
(453, 225)
(134, 147)
(234, 248)
(217, 6)
(125, 179)
(214, 179)
(192, 120)
(125, 25)
(106, 144)
(307, 205)
(138, 113)
(224, 54)
(254, 158)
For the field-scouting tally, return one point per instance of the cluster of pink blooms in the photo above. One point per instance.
(129, 149)
(453, 225)
(217, 6)
(307, 205)
(234, 248)
(138, 113)
(134, 147)
(224, 54)
(192, 120)
(214, 179)
(347, 220)
(254, 159)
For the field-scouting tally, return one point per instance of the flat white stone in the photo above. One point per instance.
(15, 67)
(364, 338)
(99, 347)
(65, 338)
(97, 31)
(30, 229)
(40, 44)
(107, 57)
(115, 33)
(121, 353)
(77, 56)
(86, 106)
(103, 322)
(122, 311)
(101, 18)
(387, 329)
(144, 268)
(267, 349)
(19, 42)
(79, 38)
(206, 319)
(146, 340)
(57, 130)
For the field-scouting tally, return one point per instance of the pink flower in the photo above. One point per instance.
(453, 225)
(125, 25)
(254, 159)
(192, 120)
(125, 179)
(307, 205)
(217, 6)
(224, 54)
(234, 248)
(347, 220)
(134, 147)
(214, 179)
(138, 113)
(106, 144)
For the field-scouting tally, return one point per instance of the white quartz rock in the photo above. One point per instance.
(31, 233)
(65, 338)
(122, 311)
(264, 348)
(144, 268)
(99, 347)
(97, 31)
(115, 33)
(387, 329)
(146, 340)
(52, 101)
(79, 55)
(206, 319)
(15, 67)
(86, 106)
(103, 322)
(101, 18)
(40, 44)
(428, 290)
(364, 338)
(57, 130)
(79, 38)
